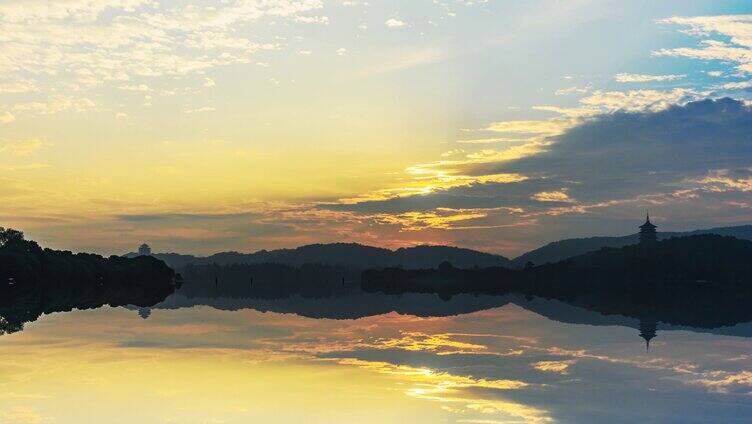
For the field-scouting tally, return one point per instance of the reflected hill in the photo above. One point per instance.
(359, 304)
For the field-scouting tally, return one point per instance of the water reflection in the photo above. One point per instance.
(346, 358)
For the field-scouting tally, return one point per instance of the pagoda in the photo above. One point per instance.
(647, 231)
(144, 250)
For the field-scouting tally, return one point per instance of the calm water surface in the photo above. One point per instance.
(497, 361)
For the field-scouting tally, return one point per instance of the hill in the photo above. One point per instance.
(351, 255)
(567, 248)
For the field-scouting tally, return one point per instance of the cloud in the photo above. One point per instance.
(719, 381)
(573, 90)
(19, 86)
(22, 147)
(394, 23)
(24, 415)
(626, 153)
(646, 78)
(549, 127)
(639, 100)
(493, 140)
(560, 367)
(323, 20)
(602, 167)
(722, 180)
(741, 85)
(56, 104)
(85, 43)
(553, 196)
(143, 88)
(738, 28)
(201, 109)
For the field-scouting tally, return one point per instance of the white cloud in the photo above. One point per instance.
(639, 100)
(19, 86)
(394, 23)
(208, 82)
(341, 51)
(490, 140)
(324, 20)
(22, 147)
(201, 109)
(553, 196)
(741, 85)
(137, 87)
(646, 78)
(572, 90)
(56, 104)
(737, 27)
(85, 43)
(548, 127)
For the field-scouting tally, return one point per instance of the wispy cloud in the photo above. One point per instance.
(647, 78)
(737, 27)
(26, 147)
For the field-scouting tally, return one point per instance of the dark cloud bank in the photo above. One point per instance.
(610, 157)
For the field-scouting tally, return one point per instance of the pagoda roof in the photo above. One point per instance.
(648, 224)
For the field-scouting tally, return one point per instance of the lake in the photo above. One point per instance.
(370, 358)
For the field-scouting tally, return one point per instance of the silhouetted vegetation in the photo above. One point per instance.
(701, 280)
(567, 248)
(34, 280)
(268, 280)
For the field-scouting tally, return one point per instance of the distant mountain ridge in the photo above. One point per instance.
(567, 248)
(350, 255)
(360, 256)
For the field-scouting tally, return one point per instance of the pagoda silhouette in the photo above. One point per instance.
(647, 231)
(144, 250)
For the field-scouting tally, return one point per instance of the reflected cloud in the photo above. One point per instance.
(560, 367)
(443, 387)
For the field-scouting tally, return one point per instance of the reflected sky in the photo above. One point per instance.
(501, 365)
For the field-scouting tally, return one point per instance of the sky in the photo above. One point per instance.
(255, 124)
